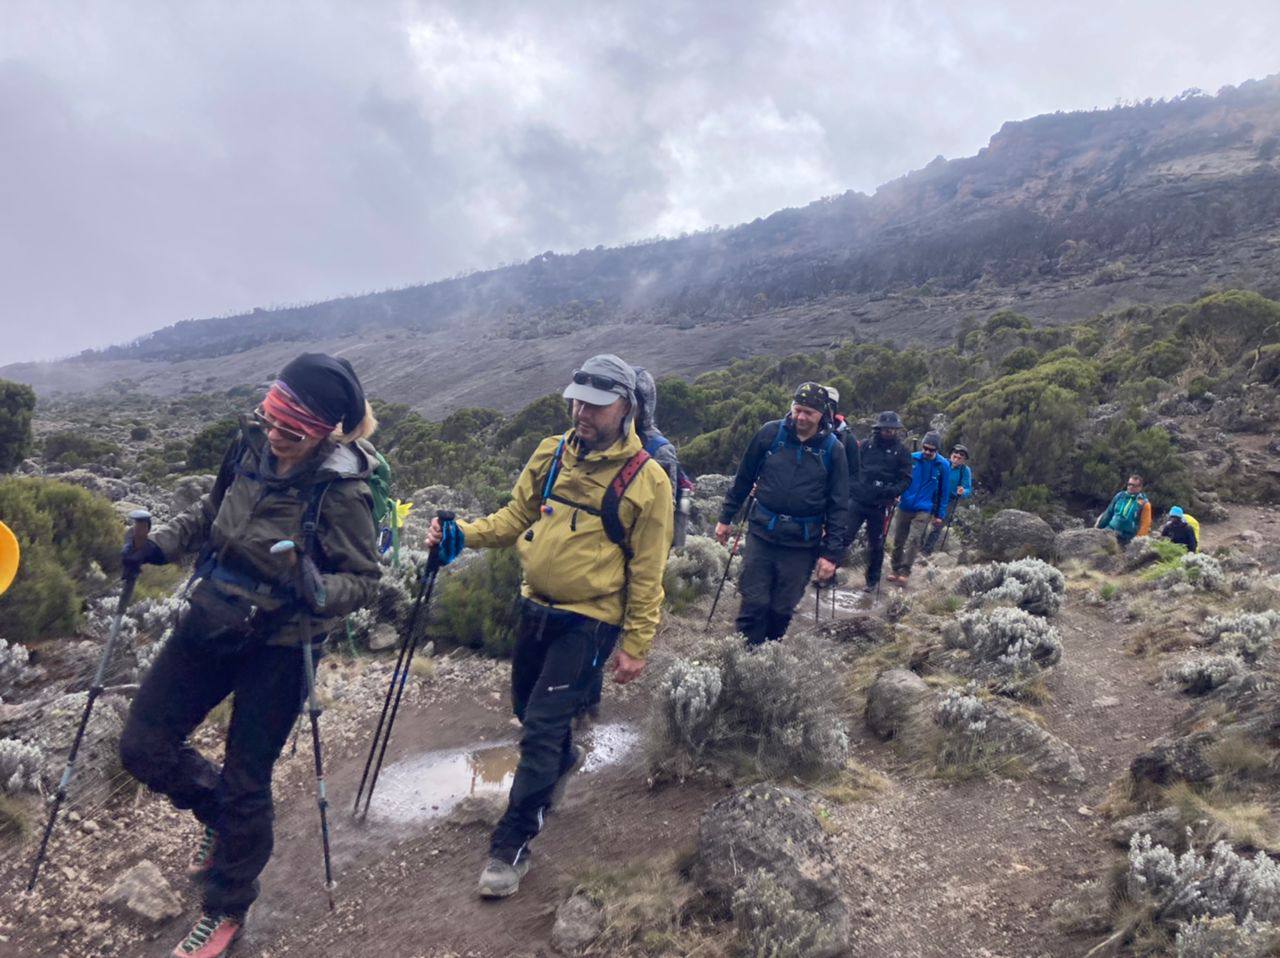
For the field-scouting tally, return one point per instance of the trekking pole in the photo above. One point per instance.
(286, 546)
(732, 552)
(884, 537)
(951, 514)
(817, 601)
(395, 689)
(141, 520)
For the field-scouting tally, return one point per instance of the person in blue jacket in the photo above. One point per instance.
(924, 502)
(961, 488)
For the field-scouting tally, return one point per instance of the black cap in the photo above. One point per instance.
(811, 395)
(888, 420)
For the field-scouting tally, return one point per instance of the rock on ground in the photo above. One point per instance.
(775, 830)
(1163, 825)
(897, 700)
(143, 891)
(1095, 547)
(579, 922)
(1013, 534)
(1170, 760)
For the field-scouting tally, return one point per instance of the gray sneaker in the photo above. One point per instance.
(562, 783)
(500, 879)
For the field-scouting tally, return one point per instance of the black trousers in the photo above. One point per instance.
(772, 583)
(198, 667)
(873, 517)
(558, 657)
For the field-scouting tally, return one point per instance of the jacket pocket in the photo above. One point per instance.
(569, 558)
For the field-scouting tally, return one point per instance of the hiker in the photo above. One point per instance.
(662, 450)
(1182, 529)
(884, 475)
(840, 426)
(961, 488)
(797, 475)
(923, 505)
(298, 462)
(1129, 513)
(591, 517)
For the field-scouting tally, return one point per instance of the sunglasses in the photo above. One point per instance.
(929, 448)
(597, 382)
(268, 424)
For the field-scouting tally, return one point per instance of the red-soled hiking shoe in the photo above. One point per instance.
(211, 937)
(202, 860)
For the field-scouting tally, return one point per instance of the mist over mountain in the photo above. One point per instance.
(1060, 217)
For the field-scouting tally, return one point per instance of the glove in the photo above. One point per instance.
(308, 589)
(134, 559)
(452, 541)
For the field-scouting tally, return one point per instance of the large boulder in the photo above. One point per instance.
(897, 700)
(1170, 760)
(1014, 534)
(775, 831)
(1094, 547)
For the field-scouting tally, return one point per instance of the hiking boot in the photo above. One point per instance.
(562, 783)
(202, 859)
(500, 879)
(211, 937)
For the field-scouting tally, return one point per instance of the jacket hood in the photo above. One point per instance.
(347, 461)
(647, 401)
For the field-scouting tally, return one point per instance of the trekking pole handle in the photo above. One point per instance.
(140, 528)
(433, 555)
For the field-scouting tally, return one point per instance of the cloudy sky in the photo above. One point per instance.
(162, 161)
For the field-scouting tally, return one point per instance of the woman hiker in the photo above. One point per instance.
(298, 463)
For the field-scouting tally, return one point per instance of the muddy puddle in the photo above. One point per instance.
(428, 786)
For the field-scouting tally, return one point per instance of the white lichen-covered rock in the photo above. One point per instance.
(769, 921)
(897, 701)
(1005, 643)
(1204, 673)
(20, 766)
(979, 734)
(1029, 584)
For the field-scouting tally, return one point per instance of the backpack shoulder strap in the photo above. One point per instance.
(549, 484)
(828, 446)
(311, 516)
(609, 517)
(227, 470)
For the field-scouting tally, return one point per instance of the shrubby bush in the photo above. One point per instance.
(477, 605)
(17, 402)
(1224, 937)
(1007, 643)
(1250, 633)
(1204, 673)
(1190, 886)
(20, 766)
(13, 665)
(1029, 584)
(207, 447)
(1204, 572)
(770, 710)
(75, 448)
(770, 925)
(62, 530)
(693, 571)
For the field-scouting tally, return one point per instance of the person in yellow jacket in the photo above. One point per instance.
(591, 518)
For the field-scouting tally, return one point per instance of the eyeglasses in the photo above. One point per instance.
(598, 382)
(268, 424)
(929, 448)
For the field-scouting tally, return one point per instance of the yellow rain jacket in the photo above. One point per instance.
(567, 559)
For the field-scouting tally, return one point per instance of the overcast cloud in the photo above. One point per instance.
(162, 161)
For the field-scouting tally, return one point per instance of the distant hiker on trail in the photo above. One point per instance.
(884, 475)
(923, 505)
(298, 463)
(961, 488)
(797, 477)
(591, 518)
(840, 426)
(1182, 529)
(1129, 514)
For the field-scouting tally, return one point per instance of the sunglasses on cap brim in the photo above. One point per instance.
(268, 424)
(597, 382)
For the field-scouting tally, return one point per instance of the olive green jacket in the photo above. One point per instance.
(258, 509)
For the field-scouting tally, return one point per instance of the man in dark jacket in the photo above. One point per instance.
(924, 504)
(797, 520)
(1182, 529)
(885, 473)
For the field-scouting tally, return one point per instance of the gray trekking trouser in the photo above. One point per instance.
(908, 529)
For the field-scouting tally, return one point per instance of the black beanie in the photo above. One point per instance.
(328, 387)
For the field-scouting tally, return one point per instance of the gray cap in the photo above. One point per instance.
(931, 438)
(602, 380)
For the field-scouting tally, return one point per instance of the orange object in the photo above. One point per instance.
(9, 556)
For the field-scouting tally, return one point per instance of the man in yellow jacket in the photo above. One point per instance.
(591, 518)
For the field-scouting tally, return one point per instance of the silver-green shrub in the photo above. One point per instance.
(1224, 937)
(1249, 633)
(13, 665)
(1204, 673)
(1181, 888)
(1030, 584)
(1006, 642)
(694, 570)
(771, 709)
(771, 926)
(20, 766)
(1201, 571)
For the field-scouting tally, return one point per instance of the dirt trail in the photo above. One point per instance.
(929, 868)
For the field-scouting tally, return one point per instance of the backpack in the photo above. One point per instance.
(1194, 524)
(780, 440)
(608, 511)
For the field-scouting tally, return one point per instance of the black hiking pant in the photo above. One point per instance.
(873, 517)
(772, 583)
(197, 668)
(557, 659)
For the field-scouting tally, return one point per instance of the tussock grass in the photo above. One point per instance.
(1238, 759)
(1222, 814)
(857, 783)
(15, 820)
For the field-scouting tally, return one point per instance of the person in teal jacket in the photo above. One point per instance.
(961, 488)
(1129, 514)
